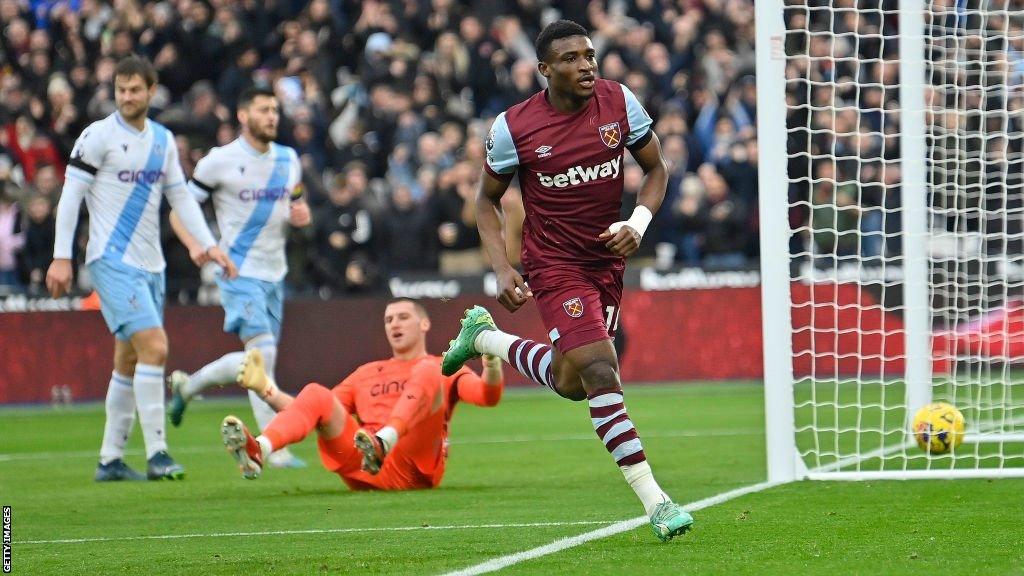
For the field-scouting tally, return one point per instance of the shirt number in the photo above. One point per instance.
(611, 318)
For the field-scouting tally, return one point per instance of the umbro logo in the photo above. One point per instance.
(543, 151)
(125, 148)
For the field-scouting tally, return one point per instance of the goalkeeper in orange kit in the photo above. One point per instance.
(385, 426)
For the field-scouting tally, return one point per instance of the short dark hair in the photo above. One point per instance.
(555, 31)
(136, 65)
(420, 308)
(252, 93)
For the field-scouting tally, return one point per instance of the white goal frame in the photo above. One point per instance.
(784, 462)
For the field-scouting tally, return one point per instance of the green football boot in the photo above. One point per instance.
(670, 520)
(463, 349)
(176, 409)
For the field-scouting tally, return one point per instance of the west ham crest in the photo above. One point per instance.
(610, 134)
(574, 307)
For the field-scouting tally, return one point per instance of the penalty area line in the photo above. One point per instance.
(502, 562)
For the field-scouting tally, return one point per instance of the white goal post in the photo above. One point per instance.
(891, 141)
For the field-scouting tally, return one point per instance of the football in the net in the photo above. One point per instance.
(938, 428)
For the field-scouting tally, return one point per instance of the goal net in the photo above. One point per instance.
(892, 203)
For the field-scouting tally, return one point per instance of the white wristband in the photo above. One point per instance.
(639, 220)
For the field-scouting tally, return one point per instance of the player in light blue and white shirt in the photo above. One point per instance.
(122, 166)
(256, 192)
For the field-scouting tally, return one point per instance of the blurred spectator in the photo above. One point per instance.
(40, 233)
(182, 275)
(521, 84)
(834, 219)
(723, 221)
(455, 219)
(407, 236)
(12, 239)
(47, 183)
(32, 148)
(739, 169)
(198, 117)
(687, 233)
(343, 239)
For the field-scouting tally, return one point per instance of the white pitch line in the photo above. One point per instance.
(311, 531)
(611, 530)
(512, 439)
(626, 525)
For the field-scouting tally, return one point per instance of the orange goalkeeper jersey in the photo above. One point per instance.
(371, 392)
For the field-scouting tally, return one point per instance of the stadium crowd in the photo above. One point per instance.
(844, 119)
(388, 105)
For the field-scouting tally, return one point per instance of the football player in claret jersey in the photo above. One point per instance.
(122, 165)
(384, 427)
(567, 145)
(256, 192)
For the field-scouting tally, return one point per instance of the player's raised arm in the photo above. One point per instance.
(482, 390)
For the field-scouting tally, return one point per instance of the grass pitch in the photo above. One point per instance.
(519, 476)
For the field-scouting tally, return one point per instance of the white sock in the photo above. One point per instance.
(495, 343)
(120, 417)
(641, 480)
(268, 347)
(261, 410)
(388, 436)
(265, 446)
(149, 400)
(220, 372)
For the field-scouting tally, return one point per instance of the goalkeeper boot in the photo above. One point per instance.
(162, 467)
(463, 348)
(115, 471)
(176, 410)
(670, 520)
(372, 449)
(242, 446)
(252, 374)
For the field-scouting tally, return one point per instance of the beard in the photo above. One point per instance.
(266, 135)
(134, 112)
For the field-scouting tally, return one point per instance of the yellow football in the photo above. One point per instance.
(938, 428)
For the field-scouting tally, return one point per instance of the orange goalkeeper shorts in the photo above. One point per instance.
(399, 472)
